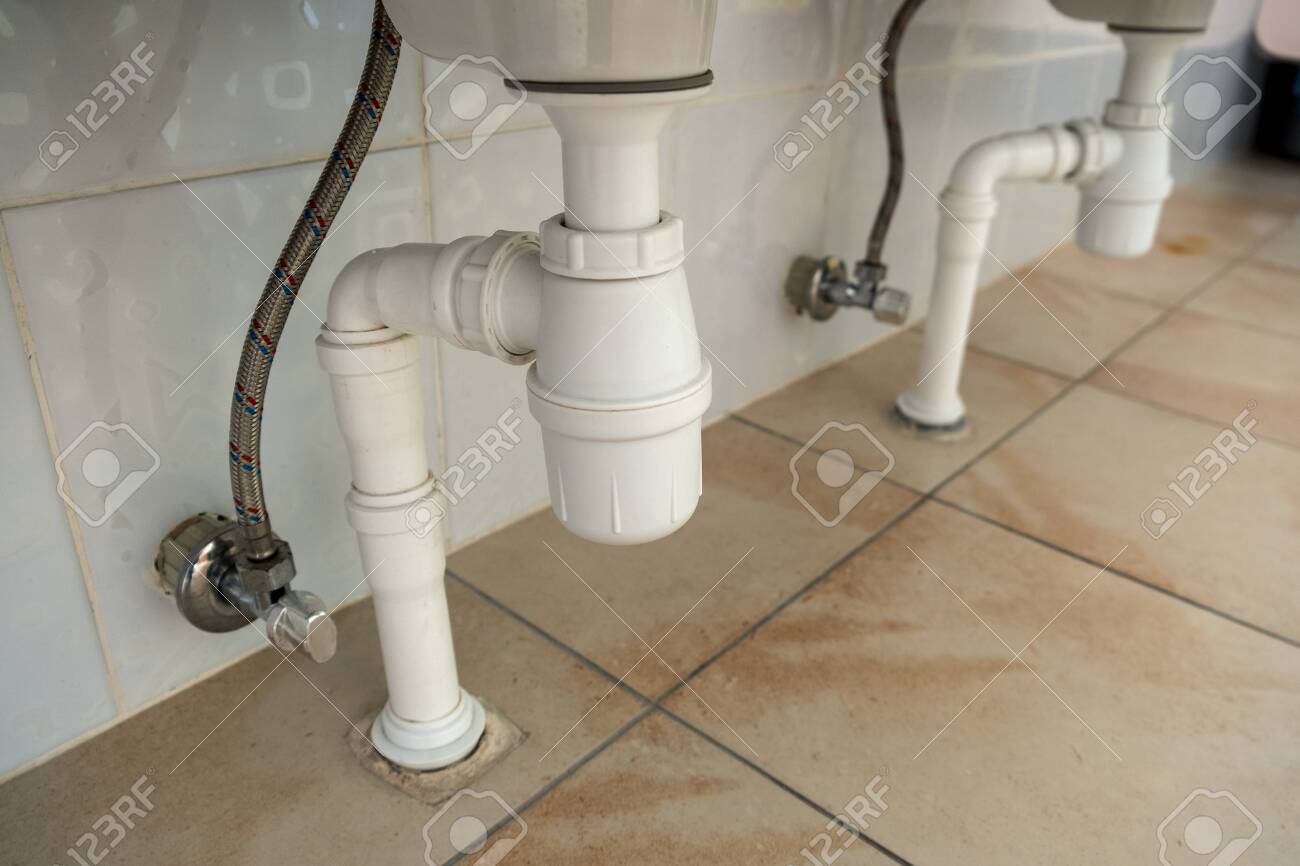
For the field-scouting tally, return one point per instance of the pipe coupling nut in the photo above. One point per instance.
(612, 255)
(1062, 164)
(267, 575)
(1130, 115)
(1092, 149)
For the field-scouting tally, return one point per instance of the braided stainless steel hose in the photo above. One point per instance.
(893, 131)
(282, 285)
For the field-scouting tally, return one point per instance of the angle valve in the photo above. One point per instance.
(819, 287)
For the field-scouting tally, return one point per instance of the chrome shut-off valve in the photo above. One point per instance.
(218, 589)
(819, 287)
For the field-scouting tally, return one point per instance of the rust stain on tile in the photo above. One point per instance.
(631, 791)
(1187, 245)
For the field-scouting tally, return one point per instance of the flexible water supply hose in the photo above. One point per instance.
(893, 131)
(282, 285)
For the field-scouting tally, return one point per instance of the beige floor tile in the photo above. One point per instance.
(1059, 326)
(1215, 369)
(274, 780)
(861, 390)
(881, 657)
(1255, 293)
(1221, 222)
(1258, 178)
(750, 536)
(664, 795)
(1165, 275)
(1089, 474)
(1284, 247)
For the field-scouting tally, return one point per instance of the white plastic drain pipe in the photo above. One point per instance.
(1124, 202)
(598, 306)
(1122, 167)
(967, 207)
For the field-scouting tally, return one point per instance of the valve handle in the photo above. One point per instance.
(299, 619)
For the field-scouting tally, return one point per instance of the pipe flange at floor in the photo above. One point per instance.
(499, 737)
(950, 431)
(429, 745)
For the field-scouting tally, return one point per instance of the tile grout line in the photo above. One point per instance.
(749, 631)
(155, 182)
(1113, 569)
(436, 353)
(1246, 326)
(658, 703)
(786, 787)
(563, 776)
(1192, 294)
(419, 140)
(1189, 416)
(878, 534)
(933, 494)
(544, 634)
(28, 340)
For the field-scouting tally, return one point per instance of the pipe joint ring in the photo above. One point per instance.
(418, 510)
(612, 255)
(1062, 163)
(1129, 115)
(372, 353)
(483, 276)
(1092, 149)
(966, 207)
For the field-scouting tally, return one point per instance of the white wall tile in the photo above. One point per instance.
(232, 84)
(1035, 217)
(931, 38)
(1004, 29)
(746, 219)
(439, 111)
(52, 672)
(762, 45)
(986, 101)
(862, 168)
(493, 189)
(128, 293)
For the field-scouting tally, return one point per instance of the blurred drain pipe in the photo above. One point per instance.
(1122, 168)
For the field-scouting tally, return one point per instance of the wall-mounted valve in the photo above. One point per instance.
(202, 565)
(819, 287)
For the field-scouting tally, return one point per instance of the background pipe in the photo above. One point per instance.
(967, 208)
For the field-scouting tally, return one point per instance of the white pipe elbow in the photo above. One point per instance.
(478, 293)
(1045, 154)
(619, 386)
(1060, 152)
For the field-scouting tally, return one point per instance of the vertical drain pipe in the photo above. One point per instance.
(428, 721)
(619, 387)
(966, 211)
(1122, 168)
